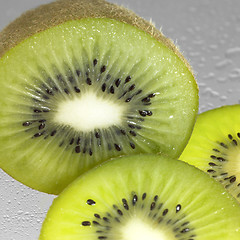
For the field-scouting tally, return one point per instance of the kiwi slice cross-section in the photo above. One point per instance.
(151, 197)
(84, 81)
(215, 146)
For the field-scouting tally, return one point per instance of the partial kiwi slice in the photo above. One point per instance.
(83, 81)
(151, 197)
(215, 146)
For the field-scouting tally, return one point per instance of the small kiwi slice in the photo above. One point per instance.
(83, 81)
(148, 198)
(215, 146)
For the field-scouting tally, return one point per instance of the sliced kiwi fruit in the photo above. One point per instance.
(83, 81)
(151, 197)
(215, 146)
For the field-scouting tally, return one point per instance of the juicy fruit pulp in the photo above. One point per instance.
(151, 197)
(102, 61)
(215, 146)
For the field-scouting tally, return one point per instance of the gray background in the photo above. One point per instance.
(207, 32)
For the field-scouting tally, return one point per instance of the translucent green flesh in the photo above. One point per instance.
(168, 196)
(59, 58)
(215, 146)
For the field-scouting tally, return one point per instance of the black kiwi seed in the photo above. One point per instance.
(152, 95)
(37, 134)
(221, 159)
(133, 133)
(125, 204)
(95, 222)
(89, 81)
(123, 95)
(185, 230)
(165, 212)
(105, 219)
(48, 91)
(117, 82)
(90, 152)
(149, 113)
(77, 149)
(95, 61)
(117, 147)
(66, 91)
(26, 124)
(103, 69)
(223, 145)
(132, 145)
(144, 196)
(97, 135)
(53, 133)
(212, 164)
(178, 208)
(78, 140)
(41, 126)
(134, 200)
(119, 212)
(77, 90)
(123, 132)
(128, 99)
(128, 79)
(104, 87)
(138, 92)
(91, 202)
(78, 72)
(86, 223)
(143, 113)
(131, 87)
(230, 136)
(233, 179)
(112, 90)
(153, 205)
(147, 99)
(71, 141)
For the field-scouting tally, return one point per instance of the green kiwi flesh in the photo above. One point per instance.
(84, 90)
(151, 197)
(215, 146)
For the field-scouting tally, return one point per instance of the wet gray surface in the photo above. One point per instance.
(207, 32)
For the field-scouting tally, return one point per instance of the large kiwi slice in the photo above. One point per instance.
(215, 146)
(148, 198)
(83, 81)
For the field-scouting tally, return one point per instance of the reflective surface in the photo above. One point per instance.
(208, 33)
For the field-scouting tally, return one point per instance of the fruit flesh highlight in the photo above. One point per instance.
(174, 199)
(89, 39)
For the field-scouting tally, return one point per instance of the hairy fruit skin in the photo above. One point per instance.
(55, 13)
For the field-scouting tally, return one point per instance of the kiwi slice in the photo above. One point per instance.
(148, 198)
(215, 146)
(83, 81)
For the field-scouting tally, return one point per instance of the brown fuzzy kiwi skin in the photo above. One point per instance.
(55, 13)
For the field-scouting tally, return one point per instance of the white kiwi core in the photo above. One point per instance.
(89, 112)
(138, 229)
